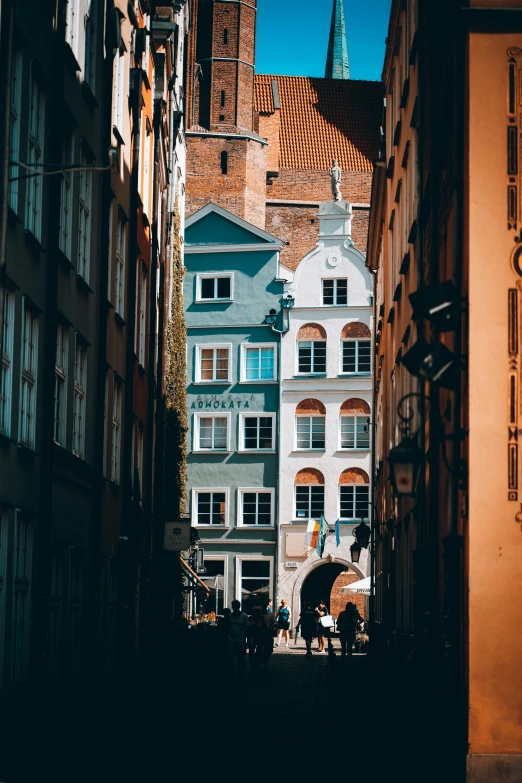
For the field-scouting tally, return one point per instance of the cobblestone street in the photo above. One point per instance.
(300, 719)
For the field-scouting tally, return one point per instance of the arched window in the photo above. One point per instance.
(356, 349)
(354, 425)
(310, 425)
(354, 494)
(311, 350)
(309, 494)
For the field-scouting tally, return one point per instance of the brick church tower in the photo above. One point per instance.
(226, 156)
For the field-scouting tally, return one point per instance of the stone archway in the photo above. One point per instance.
(305, 573)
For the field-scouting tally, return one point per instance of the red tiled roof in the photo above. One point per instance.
(324, 118)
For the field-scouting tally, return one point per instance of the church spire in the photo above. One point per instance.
(337, 64)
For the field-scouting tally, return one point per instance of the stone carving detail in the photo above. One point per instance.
(335, 177)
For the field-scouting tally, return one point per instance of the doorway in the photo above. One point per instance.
(319, 582)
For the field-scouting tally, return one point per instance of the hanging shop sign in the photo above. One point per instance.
(177, 535)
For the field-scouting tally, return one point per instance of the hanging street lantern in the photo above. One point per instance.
(362, 534)
(405, 462)
(355, 552)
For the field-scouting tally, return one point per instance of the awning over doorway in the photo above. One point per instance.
(362, 586)
(193, 577)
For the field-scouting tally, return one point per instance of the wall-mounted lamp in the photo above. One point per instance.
(405, 461)
(362, 534)
(434, 362)
(286, 302)
(438, 303)
(355, 552)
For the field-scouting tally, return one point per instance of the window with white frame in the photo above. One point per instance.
(35, 153)
(6, 365)
(118, 90)
(213, 288)
(255, 582)
(72, 25)
(29, 378)
(311, 356)
(213, 363)
(120, 264)
(146, 167)
(256, 507)
(210, 507)
(84, 218)
(215, 579)
(66, 193)
(357, 356)
(354, 501)
(256, 432)
(310, 432)
(258, 362)
(80, 388)
(309, 501)
(60, 385)
(335, 291)
(142, 314)
(117, 423)
(355, 432)
(89, 66)
(14, 127)
(211, 433)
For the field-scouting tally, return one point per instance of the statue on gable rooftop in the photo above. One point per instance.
(335, 174)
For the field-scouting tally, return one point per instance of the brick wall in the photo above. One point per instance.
(299, 226)
(313, 185)
(339, 600)
(205, 181)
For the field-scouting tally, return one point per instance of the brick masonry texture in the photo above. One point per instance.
(310, 406)
(339, 600)
(355, 406)
(309, 476)
(311, 332)
(356, 330)
(354, 476)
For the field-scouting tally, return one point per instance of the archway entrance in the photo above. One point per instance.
(319, 582)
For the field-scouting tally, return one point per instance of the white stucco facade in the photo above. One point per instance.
(335, 258)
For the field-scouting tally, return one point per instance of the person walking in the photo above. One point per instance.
(308, 625)
(269, 606)
(256, 635)
(321, 611)
(283, 622)
(269, 618)
(348, 623)
(237, 629)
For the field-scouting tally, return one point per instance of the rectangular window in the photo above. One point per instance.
(60, 385)
(89, 68)
(256, 507)
(354, 501)
(211, 289)
(257, 432)
(117, 91)
(117, 423)
(80, 386)
(35, 156)
(312, 356)
(355, 432)
(142, 315)
(215, 579)
(211, 433)
(258, 363)
(309, 501)
(357, 356)
(255, 583)
(6, 365)
(310, 432)
(120, 263)
(211, 507)
(66, 192)
(72, 25)
(137, 460)
(29, 378)
(146, 169)
(213, 364)
(335, 292)
(84, 218)
(14, 127)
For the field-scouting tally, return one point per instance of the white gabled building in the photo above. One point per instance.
(325, 418)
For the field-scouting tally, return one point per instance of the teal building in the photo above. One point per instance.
(232, 282)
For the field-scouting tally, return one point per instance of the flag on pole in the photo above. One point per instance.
(312, 533)
(321, 538)
(338, 532)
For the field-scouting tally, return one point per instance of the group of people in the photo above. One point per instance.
(258, 631)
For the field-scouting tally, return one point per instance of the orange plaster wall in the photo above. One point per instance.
(495, 538)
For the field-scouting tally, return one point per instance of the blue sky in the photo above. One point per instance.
(292, 36)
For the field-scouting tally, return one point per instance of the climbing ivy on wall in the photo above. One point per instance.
(176, 423)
